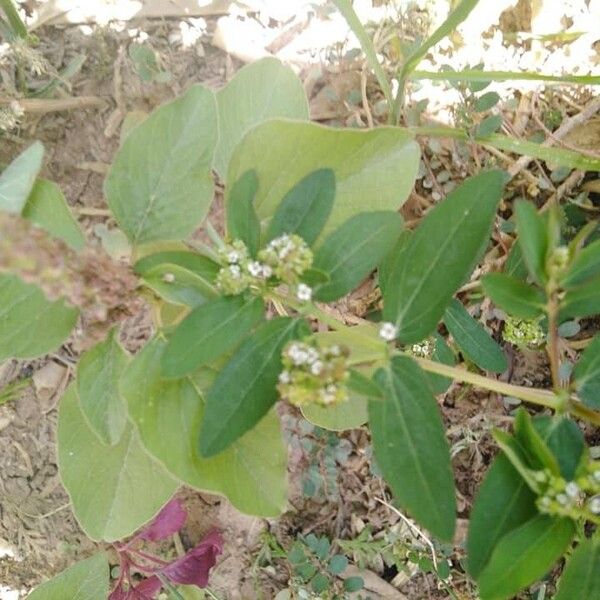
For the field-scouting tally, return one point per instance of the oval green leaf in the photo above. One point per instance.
(160, 184)
(210, 331)
(347, 415)
(374, 170)
(587, 374)
(440, 255)
(516, 297)
(108, 485)
(30, 324)
(98, 375)
(242, 220)
(245, 389)
(442, 354)
(581, 301)
(353, 250)
(17, 180)
(411, 448)
(532, 239)
(581, 577)
(585, 265)
(251, 473)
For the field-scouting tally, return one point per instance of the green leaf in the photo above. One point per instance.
(245, 389)
(524, 555)
(341, 417)
(47, 208)
(305, 208)
(283, 152)
(486, 101)
(515, 263)
(514, 296)
(260, 91)
(98, 375)
(440, 256)
(354, 584)
(442, 354)
(30, 324)
(582, 301)
(242, 221)
(533, 239)
(160, 184)
(337, 564)
(479, 75)
(391, 261)
(585, 265)
(364, 385)
(198, 264)
(473, 340)
(411, 449)
(319, 583)
(113, 489)
(179, 285)
(581, 576)
(587, 374)
(85, 580)
(538, 453)
(17, 180)
(353, 250)
(251, 473)
(488, 126)
(503, 503)
(209, 331)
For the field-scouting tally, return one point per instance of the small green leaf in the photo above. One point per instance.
(503, 503)
(488, 126)
(442, 354)
(108, 485)
(473, 340)
(390, 263)
(242, 221)
(98, 375)
(245, 389)
(486, 101)
(585, 265)
(198, 264)
(514, 296)
(160, 185)
(515, 263)
(47, 208)
(305, 208)
(364, 385)
(581, 301)
(30, 324)
(410, 446)
(533, 239)
(587, 374)
(259, 91)
(440, 255)
(168, 414)
(524, 555)
(85, 580)
(538, 453)
(208, 332)
(581, 576)
(337, 564)
(354, 584)
(18, 179)
(319, 583)
(353, 250)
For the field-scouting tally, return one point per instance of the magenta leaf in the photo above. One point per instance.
(194, 567)
(147, 589)
(169, 520)
(119, 594)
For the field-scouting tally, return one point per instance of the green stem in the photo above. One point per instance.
(213, 234)
(16, 23)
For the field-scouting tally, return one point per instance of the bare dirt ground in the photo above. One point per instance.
(38, 535)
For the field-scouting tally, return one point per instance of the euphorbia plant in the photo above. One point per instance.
(244, 321)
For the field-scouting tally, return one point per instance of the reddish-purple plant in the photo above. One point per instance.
(191, 569)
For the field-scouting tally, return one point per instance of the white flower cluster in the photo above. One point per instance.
(575, 499)
(388, 331)
(313, 375)
(523, 332)
(288, 256)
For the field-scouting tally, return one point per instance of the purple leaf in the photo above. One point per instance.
(169, 520)
(119, 594)
(146, 589)
(194, 567)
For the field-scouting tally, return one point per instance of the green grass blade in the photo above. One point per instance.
(478, 75)
(15, 21)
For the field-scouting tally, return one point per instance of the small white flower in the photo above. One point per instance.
(562, 499)
(233, 256)
(335, 350)
(594, 505)
(388, 331)
(331, 388)
(235, 271)
(284, 377)
(168, 278)
(254, 268)
(572, 490)
(303, 292)
(267, 271)
(316, 367)
(313, 355)
(545, 501)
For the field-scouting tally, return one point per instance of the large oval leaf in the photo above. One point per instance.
(440, 255)
(30, 324)
(347, 415)
(411, 448)
(353, 250)
(17, 180)
(581, 577)
(516, 297)
(263, 90)
(210, 331)
(473, 340)
(85, 580)
(587, 374)
(98, 375)
(533, 239)
(374, 170)
(168, 414)
(581, 301)
(245, 389)
(504, 501)
(524, 555)
(113, 489)
(160, 184)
